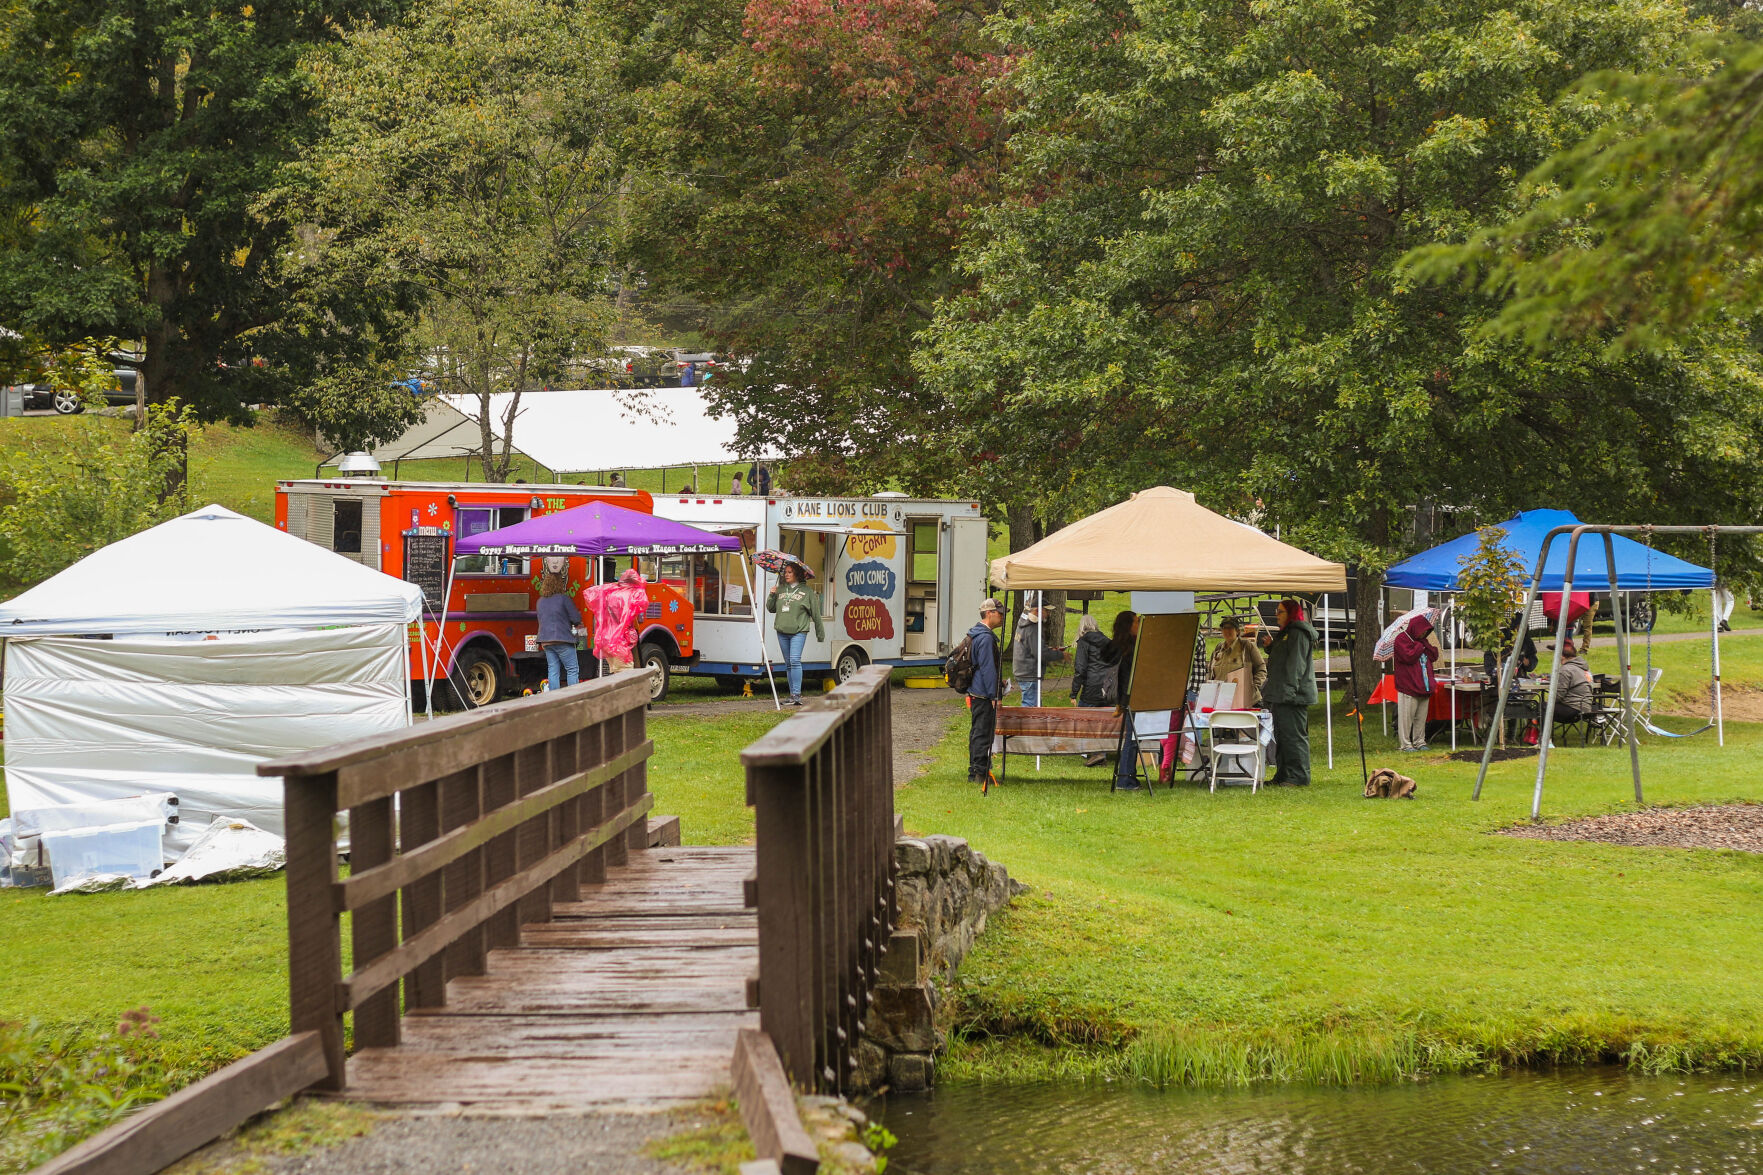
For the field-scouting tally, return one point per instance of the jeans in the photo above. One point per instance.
(562, 666)
(1126, 772)
(792, 644)
(1031, 692)
(979, 737)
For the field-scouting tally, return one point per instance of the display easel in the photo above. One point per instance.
(1163, 657)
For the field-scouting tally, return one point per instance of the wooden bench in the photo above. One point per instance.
(1055, 730)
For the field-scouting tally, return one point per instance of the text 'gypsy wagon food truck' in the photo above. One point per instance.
(900, 579)
(487, 641)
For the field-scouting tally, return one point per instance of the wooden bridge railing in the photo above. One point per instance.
(822, 787)
(460, 830)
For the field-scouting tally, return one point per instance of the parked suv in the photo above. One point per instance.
(68, 402)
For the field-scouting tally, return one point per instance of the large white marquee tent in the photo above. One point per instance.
(178, 659)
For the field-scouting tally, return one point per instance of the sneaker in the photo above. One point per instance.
(795, 700)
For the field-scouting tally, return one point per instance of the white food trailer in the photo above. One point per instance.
(900, 579)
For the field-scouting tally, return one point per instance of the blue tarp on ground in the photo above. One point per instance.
(1638, 568)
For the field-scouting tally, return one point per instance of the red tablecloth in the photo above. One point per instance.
(1440, 708)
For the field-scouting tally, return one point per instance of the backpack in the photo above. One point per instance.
(1111, 684)
(958, 669)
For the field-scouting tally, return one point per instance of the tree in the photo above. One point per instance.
(137, 145)
(77, 490)
(1642, 230)
(1195, 275)
(810, 169)
(467, 148)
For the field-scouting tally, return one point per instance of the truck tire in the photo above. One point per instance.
(654, 659)
(477, 679)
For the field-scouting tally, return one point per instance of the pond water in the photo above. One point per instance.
(1591, 1121)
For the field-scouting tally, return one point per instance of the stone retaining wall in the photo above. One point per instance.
(946, 892)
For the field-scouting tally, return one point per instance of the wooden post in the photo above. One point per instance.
(463, 880)
(532, 838)
(315, 948)
(419, 822)
(785, 916)
(502, 931)
(374, 927)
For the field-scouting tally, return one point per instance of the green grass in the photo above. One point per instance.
(1313, 935)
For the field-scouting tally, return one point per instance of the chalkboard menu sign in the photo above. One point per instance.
(425, 565)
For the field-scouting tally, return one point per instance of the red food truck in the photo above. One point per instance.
(485, 644)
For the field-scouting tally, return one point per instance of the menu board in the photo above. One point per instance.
(425, 565)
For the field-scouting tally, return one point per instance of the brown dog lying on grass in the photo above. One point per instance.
(1386, 784)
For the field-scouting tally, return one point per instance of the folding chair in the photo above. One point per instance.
(1238, 723)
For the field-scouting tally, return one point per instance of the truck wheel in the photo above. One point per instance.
(654, 659)
(476, 679)
(846, 667)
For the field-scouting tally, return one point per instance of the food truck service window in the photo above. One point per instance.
(472, 520)
(924, 551)
(346, 526)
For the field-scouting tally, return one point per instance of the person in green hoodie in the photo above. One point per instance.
(1290, 692)
(797, 606)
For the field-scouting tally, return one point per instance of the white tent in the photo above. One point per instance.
(444, 431)
(178, 659)
(597, 429)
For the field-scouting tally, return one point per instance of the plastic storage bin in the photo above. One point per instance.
(135, 850)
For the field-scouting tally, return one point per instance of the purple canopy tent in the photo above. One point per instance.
(600, 528)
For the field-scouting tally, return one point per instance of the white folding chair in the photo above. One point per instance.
(1244, 744)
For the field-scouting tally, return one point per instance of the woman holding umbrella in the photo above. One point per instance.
(796, 606)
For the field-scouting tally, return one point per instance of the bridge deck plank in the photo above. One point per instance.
(631, 997)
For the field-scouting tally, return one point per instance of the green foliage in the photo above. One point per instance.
(466, 152)
(58, 1085)
(1195, 275)
(137, 145)
(710, 1139)
(1492, 588)
(70, 493)
(1643, 230)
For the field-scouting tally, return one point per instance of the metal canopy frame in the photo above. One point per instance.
(1619, 606)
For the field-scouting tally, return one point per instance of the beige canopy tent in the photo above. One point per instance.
(1161, 540)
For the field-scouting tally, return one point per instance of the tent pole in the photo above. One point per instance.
(1451, 639)
(409, 696)
(1327, 684)
(1383, 708)
(1548, 724)
(440, 635)
(1619, 605)
(1353, 681)
(1714, 624)
(759, 627)
(1520, 630)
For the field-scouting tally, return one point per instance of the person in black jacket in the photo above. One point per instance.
(1094, 658)
(1125, 647)
(984, 691)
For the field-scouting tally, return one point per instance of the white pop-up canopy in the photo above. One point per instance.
(595, 429)
(210, 570)
(178, 659)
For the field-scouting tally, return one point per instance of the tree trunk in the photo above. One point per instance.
(1367, 590)
(155, 387)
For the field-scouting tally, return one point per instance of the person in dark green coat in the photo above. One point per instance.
(1290, 692)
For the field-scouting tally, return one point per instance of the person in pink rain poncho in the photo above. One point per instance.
(617, 609)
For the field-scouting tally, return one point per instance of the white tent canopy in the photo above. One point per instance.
(612, 428)
(210, 570)
(444, 431)
(222, 642)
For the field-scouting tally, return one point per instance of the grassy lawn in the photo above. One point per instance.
(1315, 935)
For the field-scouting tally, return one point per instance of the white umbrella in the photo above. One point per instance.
(1386, 644)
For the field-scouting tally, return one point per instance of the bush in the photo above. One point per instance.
(57, 1086)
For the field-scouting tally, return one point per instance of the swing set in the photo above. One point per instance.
(1636, 712)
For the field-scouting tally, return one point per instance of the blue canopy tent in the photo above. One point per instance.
(1639, 568)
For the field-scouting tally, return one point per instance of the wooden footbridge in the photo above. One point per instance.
(524, 935)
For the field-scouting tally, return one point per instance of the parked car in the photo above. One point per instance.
(67, 402)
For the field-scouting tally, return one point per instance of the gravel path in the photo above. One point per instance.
(1723, 826)
(610, 1144)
